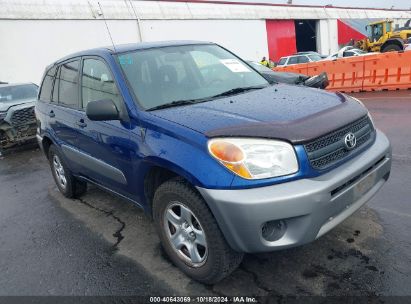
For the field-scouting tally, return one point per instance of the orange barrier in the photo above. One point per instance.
(374, 72)
(389, 71)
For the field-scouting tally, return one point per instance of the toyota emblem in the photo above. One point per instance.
(350, 141)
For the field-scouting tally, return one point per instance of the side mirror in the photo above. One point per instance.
(319, 81)
(104, 109)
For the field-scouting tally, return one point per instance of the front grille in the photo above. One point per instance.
(329, 149)
(23, 116)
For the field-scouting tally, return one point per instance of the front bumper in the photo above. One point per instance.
(18, 126)
(308, 207)
(13, 135)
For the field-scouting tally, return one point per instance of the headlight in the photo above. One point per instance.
(254, 158)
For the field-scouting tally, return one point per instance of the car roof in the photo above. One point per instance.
(123, 48)
(295, 55)
(3, 85)
(306, 53)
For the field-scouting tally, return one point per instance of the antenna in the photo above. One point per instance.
(108, 30)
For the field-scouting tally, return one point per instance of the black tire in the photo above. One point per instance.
(391, 48)
(221, 260)
(73, 187)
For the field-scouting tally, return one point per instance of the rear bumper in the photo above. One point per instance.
(308, 208)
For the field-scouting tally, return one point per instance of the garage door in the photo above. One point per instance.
(280, 38)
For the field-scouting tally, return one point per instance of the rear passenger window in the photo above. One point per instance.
(97, 83)
(302, 59)
(47, 86)
(68, 84)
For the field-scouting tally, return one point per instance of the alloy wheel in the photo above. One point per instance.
(185, 234)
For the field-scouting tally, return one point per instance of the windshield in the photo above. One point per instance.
(18, 92)
(282, 61)
(164, 75)
(259, 67)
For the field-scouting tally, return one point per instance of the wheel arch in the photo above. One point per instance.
(159, 171)
(46, 142)
(392, 41)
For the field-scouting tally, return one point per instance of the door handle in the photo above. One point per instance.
(51, 113)
(81, 123)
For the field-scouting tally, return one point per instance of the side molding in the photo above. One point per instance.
(94, 164)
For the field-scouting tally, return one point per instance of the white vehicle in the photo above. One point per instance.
(299, 58)
(347, 51)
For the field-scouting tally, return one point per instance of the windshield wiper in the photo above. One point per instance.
(177, 103)
(237, 91)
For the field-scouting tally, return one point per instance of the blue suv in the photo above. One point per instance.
(224, 162)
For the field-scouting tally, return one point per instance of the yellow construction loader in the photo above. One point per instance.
(381, 37)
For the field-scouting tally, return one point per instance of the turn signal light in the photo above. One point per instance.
(230, 156)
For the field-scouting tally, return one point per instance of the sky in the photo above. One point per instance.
(398, 4)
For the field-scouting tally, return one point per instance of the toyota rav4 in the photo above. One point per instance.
(224, 162)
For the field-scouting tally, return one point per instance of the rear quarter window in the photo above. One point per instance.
(47, 85)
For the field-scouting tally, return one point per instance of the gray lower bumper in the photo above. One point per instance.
(309, 207)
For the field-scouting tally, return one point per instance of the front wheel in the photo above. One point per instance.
(391, 48)
(190, 234)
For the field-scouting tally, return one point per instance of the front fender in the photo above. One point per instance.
(187, 157)
(167, 164)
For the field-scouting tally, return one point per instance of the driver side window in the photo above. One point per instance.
(97, 83)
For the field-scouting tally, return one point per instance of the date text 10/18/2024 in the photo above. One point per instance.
(206, 299)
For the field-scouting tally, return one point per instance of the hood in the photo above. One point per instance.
(6, 105)
(292, 113)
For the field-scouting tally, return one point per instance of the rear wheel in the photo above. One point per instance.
(190, 235)
(68, 185)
